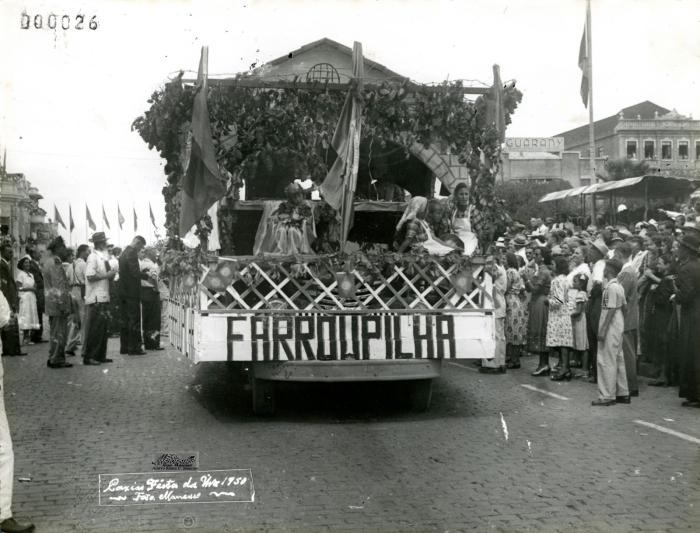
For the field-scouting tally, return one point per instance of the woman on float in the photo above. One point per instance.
(413, 230)
(459, 212)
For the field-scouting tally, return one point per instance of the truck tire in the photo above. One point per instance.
(420, 394)
(263, 396)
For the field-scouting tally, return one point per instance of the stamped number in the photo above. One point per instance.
(53, 21)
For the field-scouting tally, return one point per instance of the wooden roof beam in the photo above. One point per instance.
(318, 86)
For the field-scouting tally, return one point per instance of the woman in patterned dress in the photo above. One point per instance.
(537, 280)
(559, 330)
(516, 321)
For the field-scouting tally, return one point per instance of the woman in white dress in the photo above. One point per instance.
(28, 318)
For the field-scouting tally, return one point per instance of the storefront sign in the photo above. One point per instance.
(534, 144)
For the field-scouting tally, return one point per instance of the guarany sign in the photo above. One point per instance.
(534, 144)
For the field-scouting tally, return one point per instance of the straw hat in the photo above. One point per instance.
(599, 244)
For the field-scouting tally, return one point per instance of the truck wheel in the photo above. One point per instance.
(420, 395)
(263, 397)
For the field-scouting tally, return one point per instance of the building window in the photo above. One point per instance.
(697, 150)
(648, 149)
(682, 149)
(323, 72)
(600, 152)
(631, 149)
(666, 150)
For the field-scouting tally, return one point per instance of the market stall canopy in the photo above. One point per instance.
(570, 193)
(639, 186)
(650, 185)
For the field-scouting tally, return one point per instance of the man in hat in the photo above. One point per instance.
(612, 379)
(76, 277)
(98, 274)
(57, 301)
(130, 276)
(598, 252)
(628, 278)
(688, 296)
(10, 332)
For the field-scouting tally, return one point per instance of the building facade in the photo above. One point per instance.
(666, 140)
(22, 221)
(547, 166)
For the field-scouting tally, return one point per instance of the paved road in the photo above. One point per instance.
(491, 455)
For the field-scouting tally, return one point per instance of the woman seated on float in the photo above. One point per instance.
(419, 225)
(287, 227)
(458, 218)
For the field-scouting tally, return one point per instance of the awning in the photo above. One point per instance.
(569, 193)
(651, 185)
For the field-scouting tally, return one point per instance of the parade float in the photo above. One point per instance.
(309, 287)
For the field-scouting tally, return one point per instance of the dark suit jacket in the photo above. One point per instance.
(8, 285)
(35, 270)
(130, 274)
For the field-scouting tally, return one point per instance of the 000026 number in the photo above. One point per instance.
(53, 21)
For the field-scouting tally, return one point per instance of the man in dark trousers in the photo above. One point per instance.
(10, 333)
(688, 296)
(130, 277)
(35, 270)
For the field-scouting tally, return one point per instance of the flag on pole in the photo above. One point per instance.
(153, 218)
(104, 217)
(136, 220)
(57, 217)
(120, 218)
(201, 186)
(338, 187)
(71, 224)
(88, 217)
(584, 57)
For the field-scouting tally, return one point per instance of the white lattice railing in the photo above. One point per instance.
(255, 284)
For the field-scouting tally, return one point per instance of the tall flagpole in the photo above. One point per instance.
(591, 128)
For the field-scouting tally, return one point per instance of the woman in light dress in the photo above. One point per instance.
(28, 318)
(414, 231)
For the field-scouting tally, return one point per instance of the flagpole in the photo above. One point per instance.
(591, 128)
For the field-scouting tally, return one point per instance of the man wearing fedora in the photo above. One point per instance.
(688, 296)
(98, 274)
(130, 276)
(597, 253)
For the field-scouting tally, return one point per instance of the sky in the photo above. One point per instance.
(68, 97)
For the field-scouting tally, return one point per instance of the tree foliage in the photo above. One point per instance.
(521, 199)
(619, 169)
(258, 130)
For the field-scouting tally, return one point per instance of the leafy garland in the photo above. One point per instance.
(256, 127)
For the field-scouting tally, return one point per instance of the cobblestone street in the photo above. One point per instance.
(490, 455)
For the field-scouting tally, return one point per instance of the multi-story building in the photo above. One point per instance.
(22, 221)
(666, 140)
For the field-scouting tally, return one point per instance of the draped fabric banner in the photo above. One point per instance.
(104, 218)
(88, 217)
(201, 186)
(120, 218)
(57, 217)
(338, 188)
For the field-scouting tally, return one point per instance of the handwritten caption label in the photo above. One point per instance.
(206, 486)
(52, 21)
